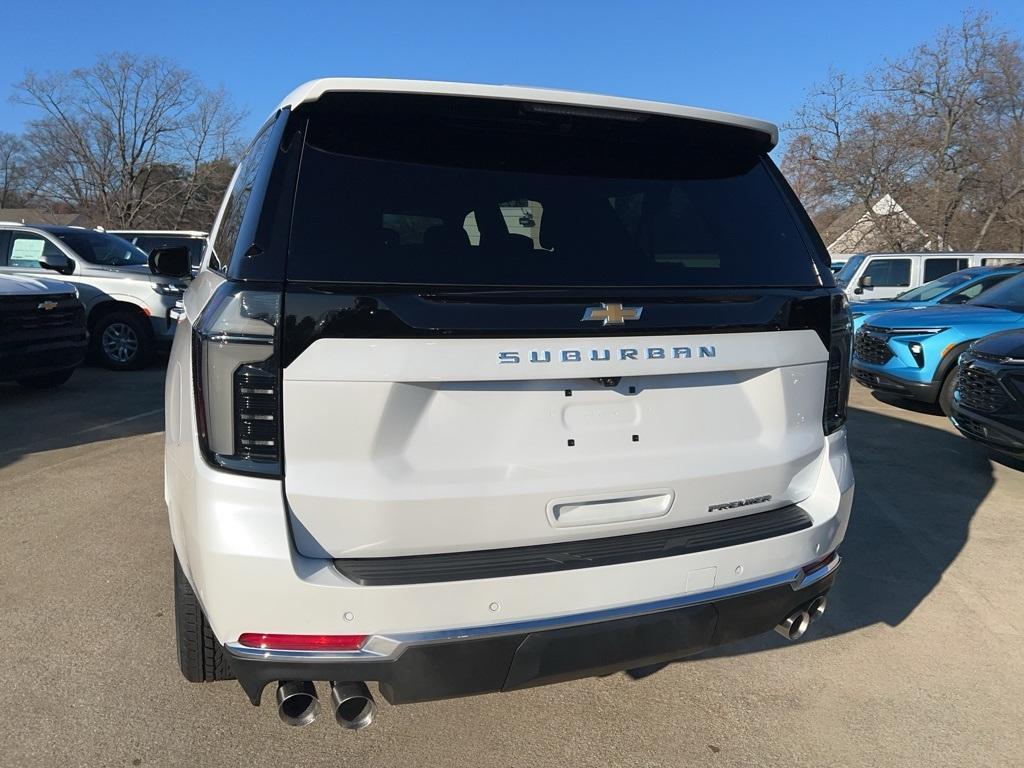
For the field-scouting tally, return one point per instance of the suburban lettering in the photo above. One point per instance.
(605, 355)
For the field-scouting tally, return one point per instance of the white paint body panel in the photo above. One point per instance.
(233, 537)
(405, 446)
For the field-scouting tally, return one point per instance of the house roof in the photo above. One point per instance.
(314, 89)
(856, 229)
(39, 216)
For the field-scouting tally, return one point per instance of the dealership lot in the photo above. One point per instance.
(919, 661)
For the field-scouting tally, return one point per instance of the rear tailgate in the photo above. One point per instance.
(412, 446)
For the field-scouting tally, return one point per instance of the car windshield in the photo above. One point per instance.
(1007, 295)
(935, 288)
(103, 249)
(844, 275)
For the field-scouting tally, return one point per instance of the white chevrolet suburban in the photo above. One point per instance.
(481, 387)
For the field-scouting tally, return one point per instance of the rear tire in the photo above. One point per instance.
(123, 341)
(200, 655)
(46, 380)
(946, 393)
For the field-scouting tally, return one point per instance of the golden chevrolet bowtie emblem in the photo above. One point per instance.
(46, 306)
(612, 314)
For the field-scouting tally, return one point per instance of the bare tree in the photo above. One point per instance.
(940, 130)
(124, 139)
(12, 170)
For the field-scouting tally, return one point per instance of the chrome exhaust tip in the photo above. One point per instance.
(793, 626)
(816, 608)
(297, 703)
(354, 707)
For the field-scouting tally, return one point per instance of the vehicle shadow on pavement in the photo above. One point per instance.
(93, 406)
(917, 489)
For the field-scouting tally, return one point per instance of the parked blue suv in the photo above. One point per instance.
(913, 352)
(955, 288)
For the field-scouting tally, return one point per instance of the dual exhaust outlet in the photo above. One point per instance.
(795, 625)
(353, 704)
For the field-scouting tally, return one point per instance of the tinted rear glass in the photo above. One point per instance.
(447, 191)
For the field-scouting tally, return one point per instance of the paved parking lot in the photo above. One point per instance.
(919, 661)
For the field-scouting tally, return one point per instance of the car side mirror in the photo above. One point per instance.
(58, 262)
(866, 281)
(170, 262)
(961, 299)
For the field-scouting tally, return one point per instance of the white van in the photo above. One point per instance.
(887, 275)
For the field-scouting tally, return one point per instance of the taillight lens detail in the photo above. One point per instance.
(237, 380)
(277, 642)
(837, 382)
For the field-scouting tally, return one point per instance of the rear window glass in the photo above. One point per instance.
(469, 192)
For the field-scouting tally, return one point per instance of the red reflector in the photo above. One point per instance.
(274, 642)
(812, 567)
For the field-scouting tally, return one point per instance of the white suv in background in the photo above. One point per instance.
(413, 443)
(129, 310)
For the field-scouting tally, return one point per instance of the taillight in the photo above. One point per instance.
(237, 380)
(837, 382)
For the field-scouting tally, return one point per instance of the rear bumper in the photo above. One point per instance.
(491, 659)
(927, 392)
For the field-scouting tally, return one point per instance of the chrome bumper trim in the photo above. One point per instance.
(391, 646)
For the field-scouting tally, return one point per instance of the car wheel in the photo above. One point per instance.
(946, 393)
(46, 380)
(123, 341)
(200, 655)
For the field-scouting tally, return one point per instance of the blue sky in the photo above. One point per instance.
(757, 58)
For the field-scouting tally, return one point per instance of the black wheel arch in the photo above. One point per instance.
(949, 361)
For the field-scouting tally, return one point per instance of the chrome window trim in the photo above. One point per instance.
(392, 645)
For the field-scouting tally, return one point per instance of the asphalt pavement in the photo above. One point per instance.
(918, 662)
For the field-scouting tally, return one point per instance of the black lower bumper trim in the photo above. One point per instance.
(927, 392)
(35, 361)
(988, 431)
(453, 668)
(589, 553)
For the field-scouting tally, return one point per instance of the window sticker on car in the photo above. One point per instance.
(26, 251)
